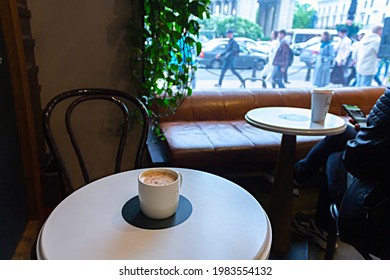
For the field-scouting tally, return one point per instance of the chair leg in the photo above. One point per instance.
(331, 240)
(33, 253)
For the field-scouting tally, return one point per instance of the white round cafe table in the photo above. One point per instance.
(294, 121)
(226, 222)
(289, 121)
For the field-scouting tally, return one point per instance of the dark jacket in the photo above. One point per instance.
(367, 156)
(364, 212)
(232, 49)
(282, 56)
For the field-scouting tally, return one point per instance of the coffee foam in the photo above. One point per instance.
(158, 178)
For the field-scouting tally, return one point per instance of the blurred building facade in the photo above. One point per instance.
(275, 15)
(269, 14)
(368, 12)
(242, 8)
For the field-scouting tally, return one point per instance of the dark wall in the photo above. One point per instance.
(13, 209)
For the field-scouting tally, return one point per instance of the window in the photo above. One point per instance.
(299, 38)
(217, 10)
(272, 14)
(225, 9)
(221, 48)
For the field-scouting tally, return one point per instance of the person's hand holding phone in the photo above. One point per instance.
(355, 124)
(357, 117)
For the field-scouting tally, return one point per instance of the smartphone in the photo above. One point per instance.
(356, 114)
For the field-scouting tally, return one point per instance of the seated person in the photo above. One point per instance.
(364, 152)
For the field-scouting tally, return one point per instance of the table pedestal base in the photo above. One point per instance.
(281, 195)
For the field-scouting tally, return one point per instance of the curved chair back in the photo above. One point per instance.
(98, 105)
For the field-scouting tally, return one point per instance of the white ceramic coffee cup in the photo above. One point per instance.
(320, 102)
(159, 201)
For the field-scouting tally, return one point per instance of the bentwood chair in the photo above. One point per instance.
(94, 132)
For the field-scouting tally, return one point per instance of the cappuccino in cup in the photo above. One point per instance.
(158, 192)
(158, 178)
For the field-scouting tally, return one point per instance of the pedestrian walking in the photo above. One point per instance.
(321, 77)
(290, 61)
(352, 77)
(367, 56)
(266, 73)
(341, 59)
(384, 62)
(281, 61)
(229, 55)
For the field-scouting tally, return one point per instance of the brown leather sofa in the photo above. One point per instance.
(209, 132)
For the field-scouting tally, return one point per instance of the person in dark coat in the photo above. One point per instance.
(281, 61)
(362, 152)
(232, 50)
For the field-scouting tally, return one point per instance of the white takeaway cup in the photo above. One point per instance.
(158, 192)
(320, 102)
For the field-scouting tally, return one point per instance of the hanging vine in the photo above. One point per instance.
(167, 52)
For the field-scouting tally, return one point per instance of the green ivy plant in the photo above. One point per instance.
(160, 63)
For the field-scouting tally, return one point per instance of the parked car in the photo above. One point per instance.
(245, 60)
(264, 46)
(301, 35)
(309, 54)
(297, 48)
(252, 45)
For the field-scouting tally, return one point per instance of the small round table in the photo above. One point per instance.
(224, 221)
(291, 122)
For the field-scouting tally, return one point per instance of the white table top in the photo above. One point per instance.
(226, 223)
(294, 121)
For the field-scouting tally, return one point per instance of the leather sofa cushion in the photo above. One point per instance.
(233, 146)
(216, 105)
(208, 132)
